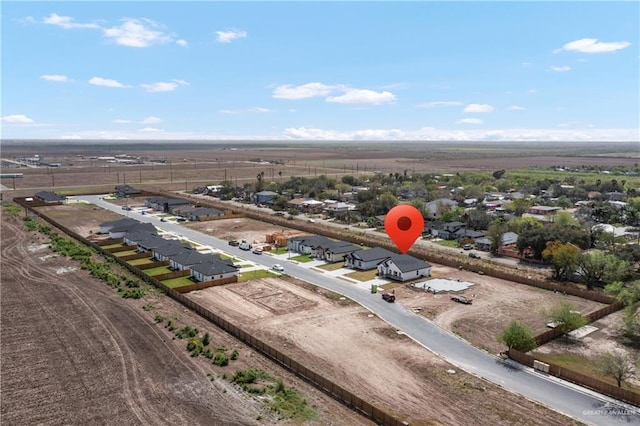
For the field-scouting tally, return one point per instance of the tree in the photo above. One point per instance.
(597, 266)
(566, 317)
(522, 224)
(563, 257)
(495, 232)
(517, 336)
(629, 293)
(619, 365)
(498, 174)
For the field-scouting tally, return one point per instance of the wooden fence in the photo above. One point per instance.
(581, 379)
(340, 394)
(109, 241)
(119, 249)
(152, 264)
(174, 274)
(205, 284)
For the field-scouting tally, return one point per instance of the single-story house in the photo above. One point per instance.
(543, 210)
(435, 208)
(484, 243)
(146, 242)
(204, 213)
(121, 230)
(108, 226)
(123, 191)
(340, 207)
(264, 197)
(467, 234)
(449, 229)
(402, 267)
(333, 251)
(50, 197)
(304, 244)
(168, 249)
(366, 259)
(165, 205)
(213, 269)
(187, 258)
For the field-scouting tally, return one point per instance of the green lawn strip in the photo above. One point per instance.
(125, 253)
(138, 262)
(258, 273)
(332, 266)
(362, 275)
(112, 246)
(280, 250)
(178, 282)
(157, 270)
(303, 258)
(581, 364)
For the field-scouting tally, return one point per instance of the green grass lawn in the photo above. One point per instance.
(157, 270)
(362, 275)
(178, 282)
(279, 250)
(112, 246)
(447, 243)
(331, 266)
(303, 258)
(125, 253)
(252, 275)
(138, 262)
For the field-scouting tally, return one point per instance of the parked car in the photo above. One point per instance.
(277, 267)
(475, 256)
(126, 208)
(234, 243)
(257, 250)
(244, 246)
(467, 247)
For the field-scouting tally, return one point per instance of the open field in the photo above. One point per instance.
(354, 348)
(73, 352)
(238, 228)
(195, 164)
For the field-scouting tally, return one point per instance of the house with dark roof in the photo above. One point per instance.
(50, 197)
(121, 231)
(213, 269)
(187, 258)
(467, 234)
(108, 226)
(304, 244)
(333, 251)
(366, 259)
(264, 197)
(165, 205)
(402, 267)
(145, 241)
(124, 191)
(204, 213)
(449, 229)
(169, 248)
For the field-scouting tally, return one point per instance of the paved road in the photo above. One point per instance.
(572, 400)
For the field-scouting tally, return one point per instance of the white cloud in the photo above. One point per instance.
(56, 78)
(532, 91)
(138, 33)
(16, 119)
(66, 22)
(564, 68)
(182, 43)
(149, 130)
(470, 121)
(592, 45)
(515, 108)
(478, 108)
(363, 96)
(526, 64)
(121, 121)
(106, 82)
(229, 36)
(581, 60)
(151, 120)
(70, 137)
(309, 90)
(438, 104)
(163, 86)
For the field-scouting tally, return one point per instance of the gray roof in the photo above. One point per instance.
(192, 257)
(470, 233)
(375, 253)
(171, 248)
(341, 247)
(127, 189)
(120, 222)
(134, 227)
(214, 266)
(314, 240)
(169, 201)
(50, 196)
(407, 263)
(205, 211)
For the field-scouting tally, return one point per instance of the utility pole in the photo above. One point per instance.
(53, 180)
(171, 171)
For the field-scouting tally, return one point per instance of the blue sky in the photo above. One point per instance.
(321, 70)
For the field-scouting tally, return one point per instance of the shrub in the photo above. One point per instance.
(235, 354)
(159, 318)
(221, 359)
(206, 339)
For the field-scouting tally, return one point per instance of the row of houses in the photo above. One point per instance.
(398, 267)
(181, 256)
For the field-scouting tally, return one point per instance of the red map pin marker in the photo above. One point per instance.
(404, 224)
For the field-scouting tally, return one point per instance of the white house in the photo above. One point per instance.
(213, 269)
(402, 267)
(367, 258)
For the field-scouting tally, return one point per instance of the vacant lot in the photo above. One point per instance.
(73, 352)
(495, 303)
(348, 345)
(240, 228)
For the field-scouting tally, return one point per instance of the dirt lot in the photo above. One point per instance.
(347, 344)
(495, 303)
(73, 352)
(84, 219)
(241, 228)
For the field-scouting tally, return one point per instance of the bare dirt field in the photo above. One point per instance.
(84, 219)
(350, 346)
(496, 302)
(73, 352)
(239, 228)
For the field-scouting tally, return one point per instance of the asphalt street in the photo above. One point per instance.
(577, 402)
